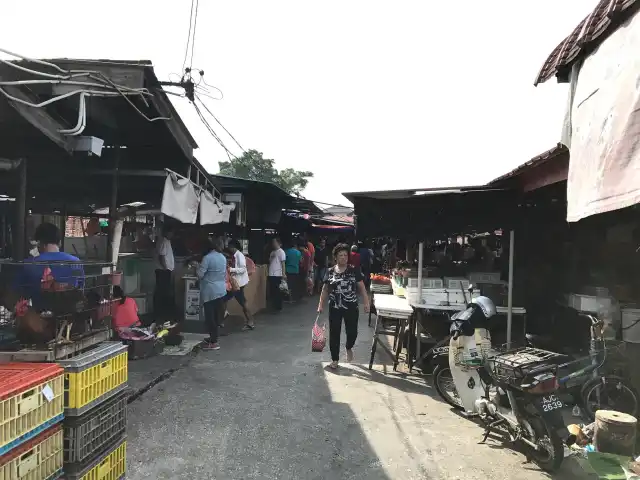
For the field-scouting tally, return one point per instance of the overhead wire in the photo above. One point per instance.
(105, 82)
(212, 131)
(219, 123)
(193, 42)
(186, 50)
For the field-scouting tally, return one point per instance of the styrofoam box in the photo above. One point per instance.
(484, 277)
(429, 296)
(428, 282)
(453, 283)
(588, 303)
(457, 298)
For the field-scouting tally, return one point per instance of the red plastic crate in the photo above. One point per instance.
(18, 377)
(29, 444)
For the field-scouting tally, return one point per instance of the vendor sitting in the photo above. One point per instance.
(125, 312)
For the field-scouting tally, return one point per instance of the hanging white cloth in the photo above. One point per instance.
(180, 199)
(211, 211)
(227, 208)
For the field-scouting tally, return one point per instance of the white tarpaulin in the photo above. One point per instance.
(180, 199)
(604, 169)
(212, 210)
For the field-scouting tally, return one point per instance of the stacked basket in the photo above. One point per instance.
(31, 413)
(95, 408)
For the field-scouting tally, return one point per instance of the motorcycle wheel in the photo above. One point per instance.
(443, 381)
(618, 393)
(550, 457)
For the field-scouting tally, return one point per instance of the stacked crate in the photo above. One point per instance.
(95, 406)
(31, 412)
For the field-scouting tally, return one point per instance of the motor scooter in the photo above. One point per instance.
(512, 392)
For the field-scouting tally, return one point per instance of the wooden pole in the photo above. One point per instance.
(19, 241)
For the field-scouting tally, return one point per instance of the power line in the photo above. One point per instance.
(186, 50)
(219, 123)
(193, 42)
(212, 131)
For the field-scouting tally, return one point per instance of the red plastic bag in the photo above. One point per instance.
(318, 337)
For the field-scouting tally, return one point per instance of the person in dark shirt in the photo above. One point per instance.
(341, 285)
(322, 263)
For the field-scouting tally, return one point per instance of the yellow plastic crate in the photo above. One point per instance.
(24, 410)
(94, 376)
(112, 465)
(37, 459)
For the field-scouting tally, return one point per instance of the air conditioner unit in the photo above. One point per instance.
(241, 209)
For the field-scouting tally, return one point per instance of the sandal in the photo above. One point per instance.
(248, 328)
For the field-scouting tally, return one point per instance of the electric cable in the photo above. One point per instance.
(219, 123)
(186, 50)
(193, 42)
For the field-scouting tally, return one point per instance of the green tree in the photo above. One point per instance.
(253, 166)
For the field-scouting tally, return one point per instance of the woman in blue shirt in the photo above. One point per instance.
(292, 264)
(212, 273)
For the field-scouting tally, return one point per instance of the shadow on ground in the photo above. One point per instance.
(265, 407)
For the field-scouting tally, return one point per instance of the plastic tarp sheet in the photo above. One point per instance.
(604, 169)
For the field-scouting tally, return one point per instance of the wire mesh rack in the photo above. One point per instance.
(49, 302)
(513, 366)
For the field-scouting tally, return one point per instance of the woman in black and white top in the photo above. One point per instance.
(340, 285)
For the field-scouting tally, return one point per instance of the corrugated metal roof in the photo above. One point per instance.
(538, 160)
(588, 35)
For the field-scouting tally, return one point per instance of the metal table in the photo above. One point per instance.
(395, 308)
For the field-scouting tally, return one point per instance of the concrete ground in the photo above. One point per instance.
(265, 407)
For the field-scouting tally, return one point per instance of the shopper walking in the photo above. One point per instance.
(321, 264)
(277, 271)
(239, 272)
(212, 273)
(341, 285)
(293, 259)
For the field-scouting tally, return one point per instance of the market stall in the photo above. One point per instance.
(439, 214)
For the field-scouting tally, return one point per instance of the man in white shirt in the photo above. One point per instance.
(163, 302)
(277, 272)
(239, 272)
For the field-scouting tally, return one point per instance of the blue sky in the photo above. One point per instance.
(367, 94)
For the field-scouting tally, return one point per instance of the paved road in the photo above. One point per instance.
(265, 407)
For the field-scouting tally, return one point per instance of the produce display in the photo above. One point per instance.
(376, 278)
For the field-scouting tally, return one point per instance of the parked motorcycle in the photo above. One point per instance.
(512, 391)
(593, 387)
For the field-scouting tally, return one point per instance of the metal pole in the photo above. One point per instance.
(416, 312)
(512, 236)
(19, 241)
(113, 207)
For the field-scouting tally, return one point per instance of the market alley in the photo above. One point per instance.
(265, 407)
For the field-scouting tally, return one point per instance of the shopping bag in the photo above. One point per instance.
(318, 338)
(284, 287)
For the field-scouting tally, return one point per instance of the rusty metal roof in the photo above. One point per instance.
(588, 35)
(538, 160)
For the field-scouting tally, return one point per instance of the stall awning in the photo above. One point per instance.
(427, 212)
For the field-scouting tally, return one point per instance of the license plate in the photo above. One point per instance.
(550, 403)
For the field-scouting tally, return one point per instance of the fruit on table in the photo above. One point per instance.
(375, 278)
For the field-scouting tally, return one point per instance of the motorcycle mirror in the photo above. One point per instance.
(470, 288)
